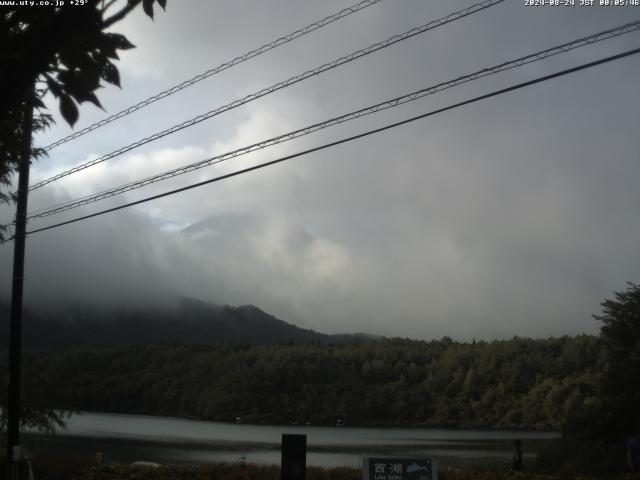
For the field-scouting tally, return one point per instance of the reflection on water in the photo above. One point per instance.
(127, 438)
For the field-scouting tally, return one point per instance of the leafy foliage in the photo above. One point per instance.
(63, 50)
(517, 383)
(225, 471)
(619, 383)
(250, 471)
(35, 413)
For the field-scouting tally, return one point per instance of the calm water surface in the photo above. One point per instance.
(125, 438)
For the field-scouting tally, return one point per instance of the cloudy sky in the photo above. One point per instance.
(514, 216)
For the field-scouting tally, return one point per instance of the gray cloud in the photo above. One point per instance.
(512, 216)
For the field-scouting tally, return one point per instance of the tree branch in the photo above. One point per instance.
(107, 6)
(120, 15)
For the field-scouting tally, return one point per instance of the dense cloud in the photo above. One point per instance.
(515, 216)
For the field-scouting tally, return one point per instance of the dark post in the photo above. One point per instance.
(15, 333)
(293, 465)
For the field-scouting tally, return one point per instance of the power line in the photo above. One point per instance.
(278, 86)
(534, 57)
(348, 139)
(220, 68)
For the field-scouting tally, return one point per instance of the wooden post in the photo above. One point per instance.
(293, 465)
(15, 332)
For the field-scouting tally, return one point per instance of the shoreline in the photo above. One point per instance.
(127, 450)
(544, 433)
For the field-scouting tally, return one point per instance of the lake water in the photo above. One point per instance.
(128, 438)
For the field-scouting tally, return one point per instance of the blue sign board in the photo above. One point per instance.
(380, 468)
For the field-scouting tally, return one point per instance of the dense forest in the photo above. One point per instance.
(584, 386)
(189, 322)
(517, 383)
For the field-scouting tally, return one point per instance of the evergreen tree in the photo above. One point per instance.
(619, 385)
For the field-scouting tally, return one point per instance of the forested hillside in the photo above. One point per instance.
(518, 383)
(190, 322)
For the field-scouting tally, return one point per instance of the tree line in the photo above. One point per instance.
(584, 386)
(515, 384)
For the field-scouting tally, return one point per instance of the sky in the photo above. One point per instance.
(517, 215)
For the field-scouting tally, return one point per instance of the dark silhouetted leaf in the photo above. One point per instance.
(89, 97)
(68, 109)
(163, 4)
(119, 41)
(147, 6)
(53, 86)
(89, 78)
(75, 56)
(80, 83)
(94, 99)
(107, 45)
(110, 74)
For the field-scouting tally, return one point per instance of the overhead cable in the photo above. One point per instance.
(345, 140)
(394, 102)
(278, 86)
(220, 68)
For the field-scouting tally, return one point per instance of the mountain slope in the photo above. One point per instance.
(191, 322)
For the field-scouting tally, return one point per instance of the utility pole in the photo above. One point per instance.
(15, 333)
